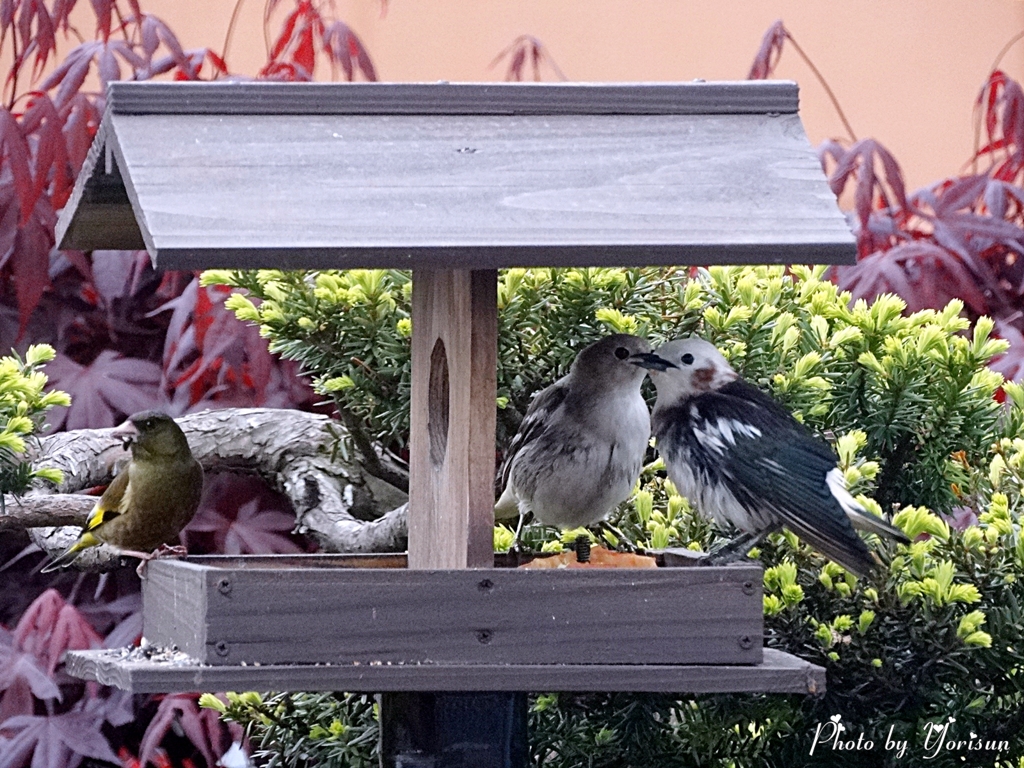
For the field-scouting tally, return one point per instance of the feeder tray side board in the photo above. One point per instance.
(225, 615)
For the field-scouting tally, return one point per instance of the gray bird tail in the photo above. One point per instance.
(862, 519)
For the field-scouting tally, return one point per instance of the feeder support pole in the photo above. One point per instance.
(451, 512)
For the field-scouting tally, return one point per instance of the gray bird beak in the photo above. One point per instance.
(126, 433)
(651, 361)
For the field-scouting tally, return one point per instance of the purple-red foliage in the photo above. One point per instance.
(526, 51)
(57, 741)
(45, 131)
(241, 516)
(128, 337)
(41, 720)
(306, 30)
(51, 626)
(962, 237)
(768, 55)
(49, 720)
(203, 727)
(211, 359)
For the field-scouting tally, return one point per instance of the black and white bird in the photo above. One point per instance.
(743, 460)
(581, 445)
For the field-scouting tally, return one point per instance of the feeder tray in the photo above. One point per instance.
(366, 622)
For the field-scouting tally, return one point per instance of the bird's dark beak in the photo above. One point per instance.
(651, 361)
(126, 433)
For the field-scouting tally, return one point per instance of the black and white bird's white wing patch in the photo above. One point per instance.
(775, 468)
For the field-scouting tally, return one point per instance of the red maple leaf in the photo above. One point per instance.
(105, 392)
(50, 626)
(240, 515)
(203, 727)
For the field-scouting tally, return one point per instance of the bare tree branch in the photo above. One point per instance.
(53, 509)
(293, 451)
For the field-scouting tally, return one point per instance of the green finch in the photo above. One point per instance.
(151, 499)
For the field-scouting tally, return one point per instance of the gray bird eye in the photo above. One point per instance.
(621, 352)
(686, 359)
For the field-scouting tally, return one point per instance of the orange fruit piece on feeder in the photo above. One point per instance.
(600, 557)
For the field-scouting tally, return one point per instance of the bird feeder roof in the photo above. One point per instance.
(459, 176)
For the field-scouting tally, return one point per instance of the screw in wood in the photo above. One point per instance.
(224, 586)
(484, 636)
(221, 647)
(486, 585)
(746, 642)
(582, 547)
(748, 587)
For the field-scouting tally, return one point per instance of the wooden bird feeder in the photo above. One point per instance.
(452, 181)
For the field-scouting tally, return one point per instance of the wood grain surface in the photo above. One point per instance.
(223, 615)
(444, 98)
(780, 673)
(421, 188)
(452, 418)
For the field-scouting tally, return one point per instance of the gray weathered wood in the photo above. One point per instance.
(451, 444)
(779, 673)
(225, 615)
(459, 191)
(266, 98)
(317, 560)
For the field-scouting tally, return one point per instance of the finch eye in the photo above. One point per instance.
(621, 352)
(686, 359)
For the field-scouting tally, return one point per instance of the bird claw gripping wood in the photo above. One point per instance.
(163, 551)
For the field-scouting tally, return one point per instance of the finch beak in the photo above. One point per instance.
(651, 361)
(126, 433)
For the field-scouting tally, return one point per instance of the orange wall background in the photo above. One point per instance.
(905, 71)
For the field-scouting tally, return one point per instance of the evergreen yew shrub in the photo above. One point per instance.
(925, 431)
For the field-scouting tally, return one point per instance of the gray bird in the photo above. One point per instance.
(743, 460)
(580, 448)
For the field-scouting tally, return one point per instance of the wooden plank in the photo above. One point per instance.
(500, 257)
(316, 560)
(452, 418)
(487, 615)
(697, 97)
(103, 214)
(466, 192)
(185, 627)
(780, 673)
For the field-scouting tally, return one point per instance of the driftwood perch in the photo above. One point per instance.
(333, 497)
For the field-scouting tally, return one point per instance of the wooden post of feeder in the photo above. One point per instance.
(451, 444)
(451, 511)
